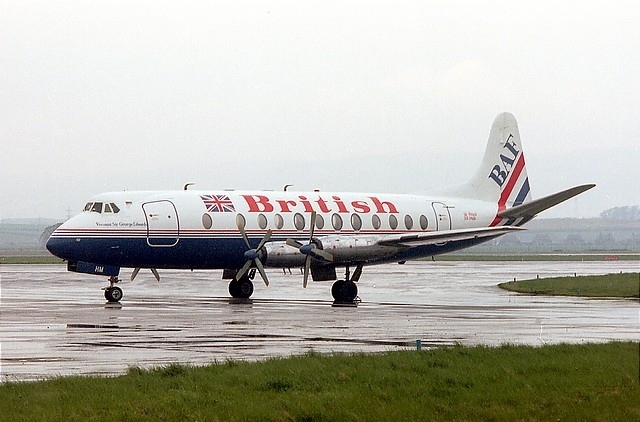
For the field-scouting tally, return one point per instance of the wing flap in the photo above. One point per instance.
(432, 238)
(532, 208)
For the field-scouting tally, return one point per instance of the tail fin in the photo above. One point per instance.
(502, 177)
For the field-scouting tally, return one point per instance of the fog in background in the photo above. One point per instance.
(348, 96)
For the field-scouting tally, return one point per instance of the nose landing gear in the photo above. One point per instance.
(113, 293)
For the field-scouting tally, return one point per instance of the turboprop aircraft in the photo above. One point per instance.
(321, 232)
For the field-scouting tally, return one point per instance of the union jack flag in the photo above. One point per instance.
(218, 203)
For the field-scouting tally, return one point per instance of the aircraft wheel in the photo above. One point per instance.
(113, 294)
(241, 289)
(344, 291)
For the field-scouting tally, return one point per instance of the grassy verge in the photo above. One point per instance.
(539, 257)
(28, 259)
(562, 382)
(610, 285)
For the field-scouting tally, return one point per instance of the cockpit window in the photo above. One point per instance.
(100, 207)
(97, 207)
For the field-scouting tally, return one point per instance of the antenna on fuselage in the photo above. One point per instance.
(286, 186)
(186, 185)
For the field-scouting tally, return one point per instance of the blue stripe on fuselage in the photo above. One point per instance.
(198, 253)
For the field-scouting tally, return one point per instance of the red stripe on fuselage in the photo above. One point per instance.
(508, 189)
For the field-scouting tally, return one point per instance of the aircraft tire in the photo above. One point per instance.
(113, 294)
(241, 289)
(344, 291)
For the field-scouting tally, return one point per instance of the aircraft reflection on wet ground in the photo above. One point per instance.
(57, 323)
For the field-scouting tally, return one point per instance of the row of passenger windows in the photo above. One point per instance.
(100, 207)
(337, 222)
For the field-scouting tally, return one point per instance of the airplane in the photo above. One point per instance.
(244, 232)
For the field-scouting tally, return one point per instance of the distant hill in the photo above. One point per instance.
(24, 233)
(570, 235)
(628, 213)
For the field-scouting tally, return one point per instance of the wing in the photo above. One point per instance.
(432, 238)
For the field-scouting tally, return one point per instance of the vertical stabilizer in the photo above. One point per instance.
(502, 177)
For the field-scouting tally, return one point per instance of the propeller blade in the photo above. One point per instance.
(321, 254)
(155, 274)
(243, 270)
(134, 273)
(244, 235)
(294, 243)
(307, 267)
(313, 225)
(262, 272)
(265, 239)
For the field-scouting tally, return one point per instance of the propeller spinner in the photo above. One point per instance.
(252, 255)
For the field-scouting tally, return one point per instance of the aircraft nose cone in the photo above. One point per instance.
(61, 246)
(54, 245)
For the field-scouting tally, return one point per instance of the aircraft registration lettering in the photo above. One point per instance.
(470, 216)
(262, 203)
(500, 172)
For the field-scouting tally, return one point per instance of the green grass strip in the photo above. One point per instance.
(624, 285)
(44, 259)
(563, 382)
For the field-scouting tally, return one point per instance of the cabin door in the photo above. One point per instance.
(443, 217)
(163, 227)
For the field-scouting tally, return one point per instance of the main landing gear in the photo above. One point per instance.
(242, 288)
(345, 291)
(113, 293)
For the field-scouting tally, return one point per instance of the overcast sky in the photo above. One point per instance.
(352, 96)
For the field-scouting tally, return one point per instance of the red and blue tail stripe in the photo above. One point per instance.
(515, 191)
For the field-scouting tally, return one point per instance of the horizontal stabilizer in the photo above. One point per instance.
(532, 208)
(437, 237)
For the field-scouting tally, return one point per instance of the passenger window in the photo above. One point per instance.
(279, 221)
(393, 222)
(356, 222)
(241, 221)
(262, 221)
(319, 222)
(408, 222)
(298, 221)
(424, 223)
(336, 221)
(207, 221)
(115, 208)
(375, 220)
(97, 207)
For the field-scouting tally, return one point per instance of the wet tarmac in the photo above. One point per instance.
(53, 322)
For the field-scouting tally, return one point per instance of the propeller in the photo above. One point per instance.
(252, 255)
(311, 250)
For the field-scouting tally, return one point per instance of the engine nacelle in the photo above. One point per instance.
(359, 249)
(279, 254)
(344, 250)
